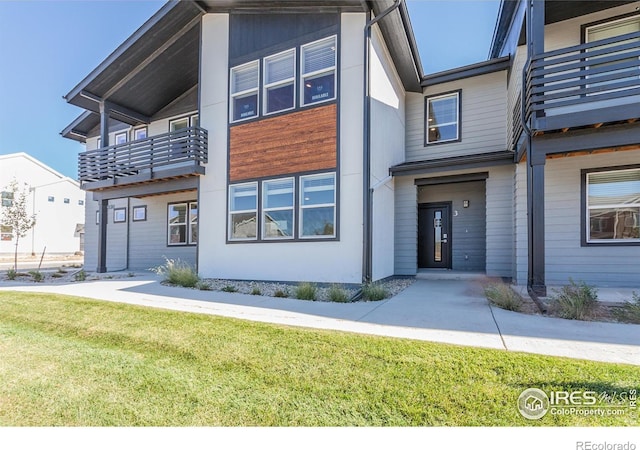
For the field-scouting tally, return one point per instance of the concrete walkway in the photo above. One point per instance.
(449, 311)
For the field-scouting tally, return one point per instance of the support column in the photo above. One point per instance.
(536, 223)
(103, 210)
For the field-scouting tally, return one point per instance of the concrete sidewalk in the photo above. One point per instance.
(448, 311)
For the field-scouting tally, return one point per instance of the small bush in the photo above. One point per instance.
(131, 274)
(503, 296)
(204, 285)
(229, 288)
(306, 291)
(374, 292)
(337, 294)
(575, 300)
(281, 293)
(630, 311)
(11, 274)
(255, 291)
(36, 275)
(61, 271)
(80, 276)
(178, 273)
(57, 275)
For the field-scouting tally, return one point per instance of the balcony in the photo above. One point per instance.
(584, 85)
(167, 156)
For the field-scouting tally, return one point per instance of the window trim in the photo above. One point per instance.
(301, 207)
(334, 69)
(458, 93)
(136, 130)
(584, 210)
(281, 83)
(117, 218)
(264, 210)
(230, 237)
(134, 210)
(188, 242)
(119, 134)
(7, 197)
(233, 95)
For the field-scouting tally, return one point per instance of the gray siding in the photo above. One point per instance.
(406, 226)
(499, 199)
(484, 115)
(520, 239)
(468, 227)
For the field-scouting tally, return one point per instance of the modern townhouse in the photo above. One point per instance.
(300, 140)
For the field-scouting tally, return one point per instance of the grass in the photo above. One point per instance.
(256, 291)
(503, 296)
(36, 275)
(337, 293)
(80, 276)
(76, 362)
(374, 292)
(575, 301)
(229, 288)
(11, 274)
(280, 293)
(306, 291)
(630, 311)
(204, 285)
(178, 273)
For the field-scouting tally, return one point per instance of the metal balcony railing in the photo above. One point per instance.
(598, 74)
(184, 148)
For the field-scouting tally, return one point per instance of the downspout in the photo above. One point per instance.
(367, 192)
(128, 232)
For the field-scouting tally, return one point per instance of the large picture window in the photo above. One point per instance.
(277, 209)
(244, 91)
(442, 118)
(318, 70)
(279, 82)
(613, 206)
(243, 211)
(317, 206)
(182, 223)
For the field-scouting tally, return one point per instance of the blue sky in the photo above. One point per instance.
(48, 46)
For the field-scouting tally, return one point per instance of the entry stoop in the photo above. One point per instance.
(446, 274)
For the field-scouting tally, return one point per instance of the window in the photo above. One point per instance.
(121, 138)
(81, 202)
(277, 209)
(180, 216)
(244, 91)
(66, 201)
(243, 211)
(279, 81)
(443, 118)
(318, 71)
(119, 215)
(6, 233)
(179, 124)
(613, 206)
(317, 206)
(139, 133)
(139, 213)
(97, 217)
(51, 198)
(7, 198)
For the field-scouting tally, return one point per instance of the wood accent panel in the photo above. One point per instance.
(594, 152)
(302, 141)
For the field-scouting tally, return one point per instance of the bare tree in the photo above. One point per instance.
(15, 215)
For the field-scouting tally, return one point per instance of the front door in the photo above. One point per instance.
(434, 235)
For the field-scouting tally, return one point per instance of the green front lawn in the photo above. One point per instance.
(73, 361)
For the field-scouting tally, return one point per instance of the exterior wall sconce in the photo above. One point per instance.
(465, 203)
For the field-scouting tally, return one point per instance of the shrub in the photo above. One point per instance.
(36, 275)
(281, 293)
(229, 288)
(255, 291)
(178, 273)
(337, 294)
(204, 285)
(630, 311)
(503, 296)
(575, 300)
(374, 292)
(11, 274)
(57, 275)
(80, 276)
(131, 274)
(306, 291)
(61, 271)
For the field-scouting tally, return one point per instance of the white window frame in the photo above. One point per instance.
(314, 74)
(266, 210)
(588, 208)
(135, 131)
(118, 135)
(231, 212)
(233, 95)
(302, 207)
(280, 83)
(191, 223)
(187, 224)
(457, 123)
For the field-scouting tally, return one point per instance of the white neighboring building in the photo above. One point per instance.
(56, 200)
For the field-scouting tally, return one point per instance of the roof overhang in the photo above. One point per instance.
(473, 70)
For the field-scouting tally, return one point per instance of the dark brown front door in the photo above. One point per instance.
(434, 235)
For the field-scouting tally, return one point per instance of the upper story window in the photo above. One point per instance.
(139, 133)
(613, 206)
(279, 82)
(318, 71)
(245, 81)
(7, 198)
(442, 118)
(183, 122)
(120, 138)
